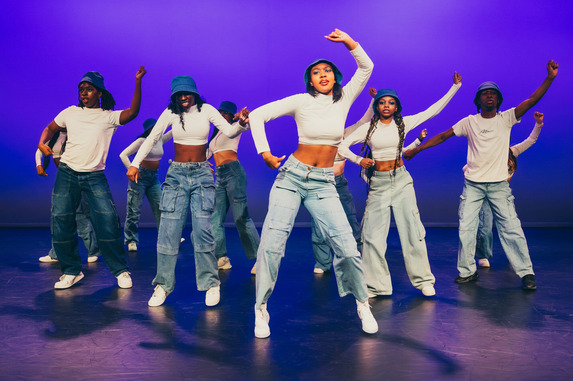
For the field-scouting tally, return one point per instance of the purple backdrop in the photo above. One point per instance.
(255, 52)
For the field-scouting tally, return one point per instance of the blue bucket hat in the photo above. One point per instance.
(94, 78)
(183, 83)
(229, 107)
(149, 123)
(337, 73)
(386, 93)
(489, 85)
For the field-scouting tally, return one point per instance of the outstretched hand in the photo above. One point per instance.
(372, 91)
(243, 116)
(457, 78)
(271, 160)
(552, 68)
(538, 117)
(423, 134)
(140, 73)
(339, 36)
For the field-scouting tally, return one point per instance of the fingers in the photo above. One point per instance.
(372, 91)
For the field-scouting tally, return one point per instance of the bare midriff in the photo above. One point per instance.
(186, 153)
(152, 165)
(224, 157)
(387, 165)
(319, 156)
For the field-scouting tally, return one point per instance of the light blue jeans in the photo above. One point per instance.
(147, 185)
(231, 191)
(320, 247)
(314, 187)
(498, 196)
(85, 231)
(187, 186)
(393, 193)
(484, 239)
(66, 197)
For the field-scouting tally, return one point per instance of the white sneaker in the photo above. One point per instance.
(262, 319)
(371, 295)
(254, 269)
(124, 280)
(158, 297)
(182, 239)
(369, 324)
(92, 258)
(224, 263)
(428, 290)
(48, 259)
(67, 281)
(132, 246)
(213, 296)
(483, 262)
(318, 270)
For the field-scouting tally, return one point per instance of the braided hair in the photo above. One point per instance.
(401, 134)
(176, 107)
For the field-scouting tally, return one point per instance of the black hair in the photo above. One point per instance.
(176, 108)
(512, 159)
(336, 91)
(106, 101)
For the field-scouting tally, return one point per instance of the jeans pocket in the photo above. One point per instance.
(168, 198)
(511, 212)
(418, 225)
(208, 197)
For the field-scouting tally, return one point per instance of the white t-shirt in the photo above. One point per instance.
(488, 145)
(89, 136)
(319, 120)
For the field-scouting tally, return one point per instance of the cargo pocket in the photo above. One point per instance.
(208, 198)
(169, 196)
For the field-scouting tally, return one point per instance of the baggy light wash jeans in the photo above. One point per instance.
(484, 239)
(393, 193)
(66, 196)
(314, 187)
(231, 191)
(85, 231)
(187, 186)
(147, 185)
(501, 201)
(320, 247)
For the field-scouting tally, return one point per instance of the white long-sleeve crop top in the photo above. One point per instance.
(155, 154)
(196, 132)
(222, 142)
(385, 138)
(319, 120)
(57, 148)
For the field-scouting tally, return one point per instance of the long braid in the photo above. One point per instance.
(365, 149)
(401, 127)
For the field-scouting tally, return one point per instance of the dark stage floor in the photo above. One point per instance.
(94, 331)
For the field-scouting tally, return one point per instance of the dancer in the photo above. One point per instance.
(230, 191)
(320, 248)
(486, 178)
(147, 184)
(189, 183)
(307, 177)
(85, 230)
(90, 127)
(484, 241)
(391, 190)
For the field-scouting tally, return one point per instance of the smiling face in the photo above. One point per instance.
(322, 78)
(386, 107)
(488, 100)
(186, 100)
(89, 95)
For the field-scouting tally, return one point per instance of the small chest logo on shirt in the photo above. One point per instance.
(483, 132)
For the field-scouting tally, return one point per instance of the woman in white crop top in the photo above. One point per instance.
(307, 178)
(147, 184)
(230, 192)
(392, 191)
(188, 184)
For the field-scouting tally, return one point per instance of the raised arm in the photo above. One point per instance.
(552, 68)
(520, 148)
(438, 139)
(436, 108)
(129, 114)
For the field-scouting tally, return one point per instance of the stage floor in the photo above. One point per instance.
(490, 329)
